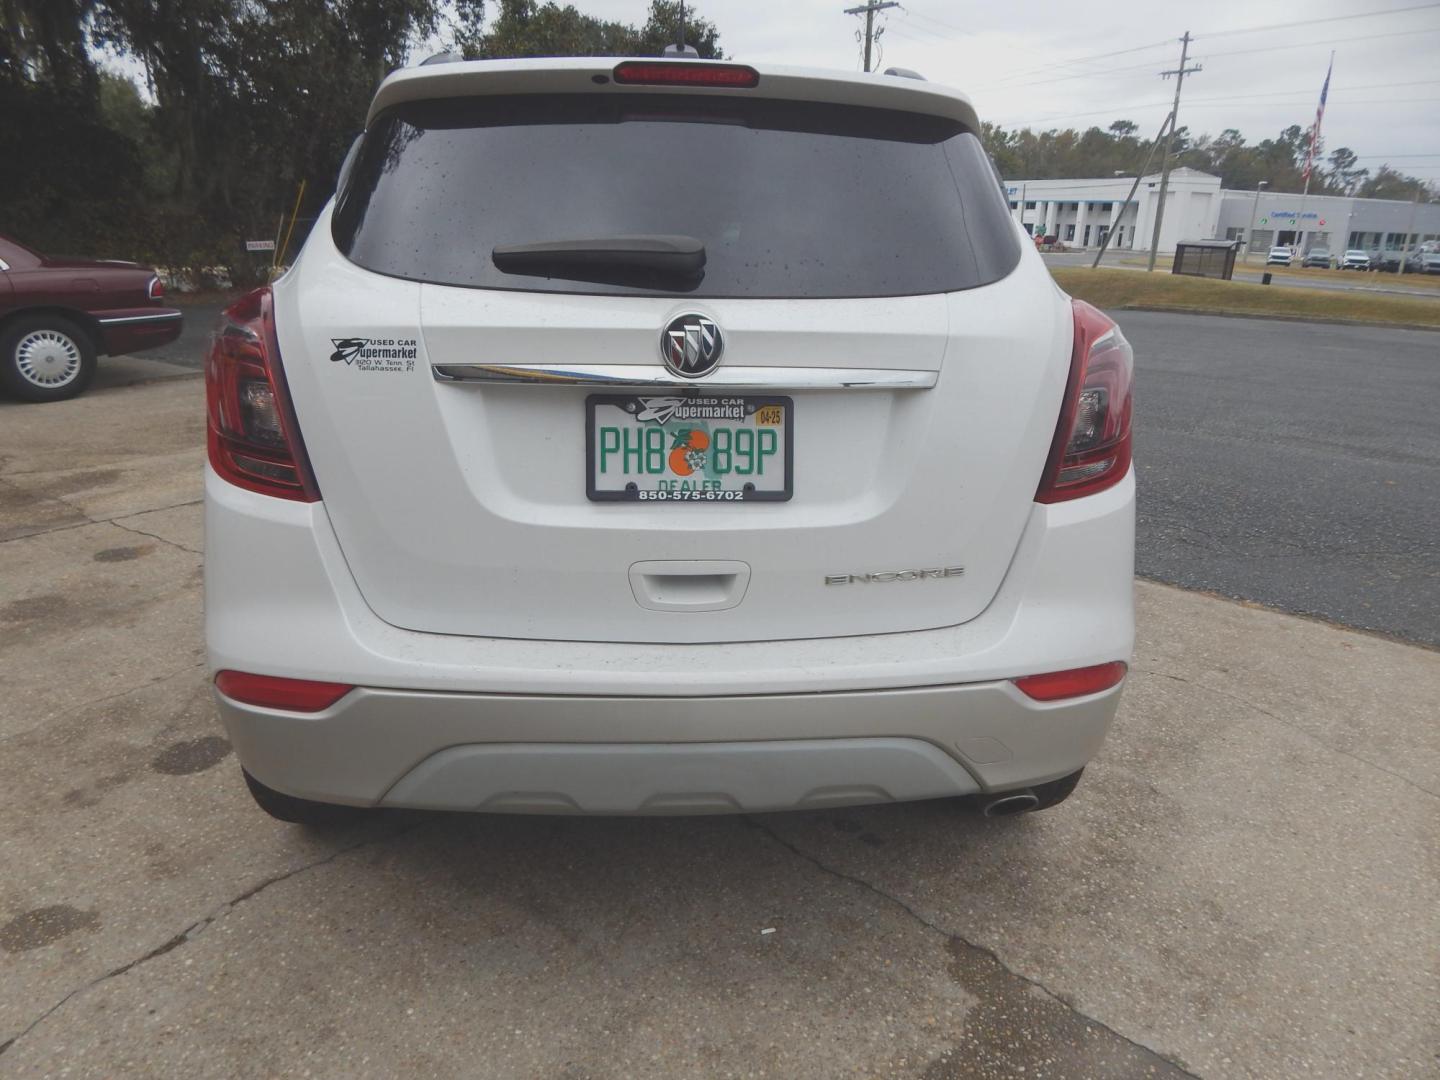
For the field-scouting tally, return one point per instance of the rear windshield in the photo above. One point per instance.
(790, 199)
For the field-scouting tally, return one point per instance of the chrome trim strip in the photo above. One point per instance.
(655, 376)
(116, 319)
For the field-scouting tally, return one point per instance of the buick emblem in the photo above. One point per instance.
(691, 346)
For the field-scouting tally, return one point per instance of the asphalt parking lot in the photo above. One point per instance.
(1294, 464)
(1244, 886)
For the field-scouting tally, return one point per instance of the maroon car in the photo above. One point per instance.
(57, 315)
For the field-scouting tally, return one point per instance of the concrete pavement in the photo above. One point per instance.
(1243, 886)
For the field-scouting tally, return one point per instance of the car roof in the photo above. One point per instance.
(577, 75)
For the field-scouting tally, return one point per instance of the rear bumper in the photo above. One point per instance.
(141, 328)
(614, 755)
(507, 724)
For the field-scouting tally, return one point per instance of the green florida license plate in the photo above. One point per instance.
(643, 448)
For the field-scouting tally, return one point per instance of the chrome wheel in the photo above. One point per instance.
(47, 358)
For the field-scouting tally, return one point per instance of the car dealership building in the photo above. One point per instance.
(1079, 213)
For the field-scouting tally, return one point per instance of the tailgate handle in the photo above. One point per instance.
(689, 584)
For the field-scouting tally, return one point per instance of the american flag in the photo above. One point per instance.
(1319, 115)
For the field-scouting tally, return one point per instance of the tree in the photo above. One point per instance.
(1345, 177)
(1388, 183)
(43, 45)
(528, 28)
(1123, 128)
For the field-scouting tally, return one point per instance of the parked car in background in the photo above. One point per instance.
(58, 314)
(1355, 259)
(826, 500)
(1279, 256)
(1317, 257)
(1386, 260)
(1426, 261)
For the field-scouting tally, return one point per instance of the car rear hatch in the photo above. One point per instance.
(880, 334)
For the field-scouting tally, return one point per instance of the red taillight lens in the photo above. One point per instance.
(274, 692)
(1091, 451)
(1077, 682)
(645, 73)
(254, 440)
(156, 289)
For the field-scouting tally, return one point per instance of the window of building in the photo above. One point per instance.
(1030, 205)
(1070, 232)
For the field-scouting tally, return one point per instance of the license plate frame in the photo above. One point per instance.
(751, 403)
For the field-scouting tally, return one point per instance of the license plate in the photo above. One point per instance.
(642, 448)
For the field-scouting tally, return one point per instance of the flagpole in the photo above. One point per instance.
(1310, 159)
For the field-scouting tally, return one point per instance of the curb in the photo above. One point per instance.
(1271, 317)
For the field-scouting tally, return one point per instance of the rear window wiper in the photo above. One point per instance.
(678, 256)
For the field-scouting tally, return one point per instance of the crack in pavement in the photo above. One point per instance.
(198, 927)
(153, 536)
(1311, 736)
(103, 521)
(950, 937)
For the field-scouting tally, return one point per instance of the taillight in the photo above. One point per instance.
(254, 439)
(1091, 451)
(1077, 682)
(276, 692)
(669, 73)
(156, 289)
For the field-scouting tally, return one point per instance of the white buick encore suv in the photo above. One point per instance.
(650, 437)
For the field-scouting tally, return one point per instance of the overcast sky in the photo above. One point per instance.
(1026, 61)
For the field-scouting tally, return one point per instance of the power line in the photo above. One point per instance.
(941, 22)
(1222, 33)
(1078, 75)
(1328, 41)
(933, 37)
(1312, 22)
(1008, 80)
(1239, 101)
(1008, 85)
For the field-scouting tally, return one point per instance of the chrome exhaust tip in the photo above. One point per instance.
(1011, 803)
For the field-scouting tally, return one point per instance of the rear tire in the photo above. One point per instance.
(297, 811)
(45, 358)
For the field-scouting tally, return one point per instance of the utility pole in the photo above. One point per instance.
(869, 10)
(1133, 188)
(1260, 185)
(1179, 74)
(1409, 232)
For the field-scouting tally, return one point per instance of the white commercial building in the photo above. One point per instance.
(1336, 222)
(1079, 213)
